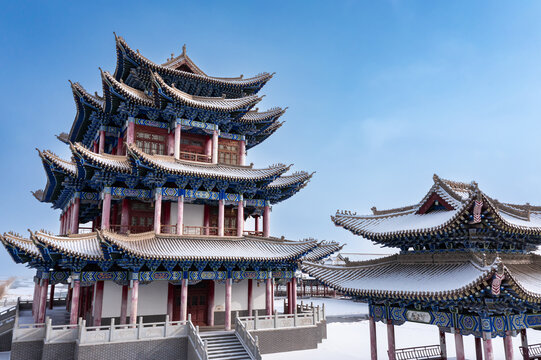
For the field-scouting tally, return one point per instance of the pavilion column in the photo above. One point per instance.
(240, 218)
(124, 305)
(102, 142)
(268, 297)
(256, 221)
(272, 295)
(221, 217)
(178, 131)
(288, 296)
(95, 147)
(75, 294)
(443, 345)
(98, 302)
(478, 349)
(134, 301)
(35, 299)
(180, 214)
(157, 210)
(206, 219)
(125, 216)
(210, 303)
(266, 221)
(68, 220)
(184, 300)
(61, 232)
(524, 343)
(43, 300)
(508, 345)
(208, 148)
(459, 345)
(250, 297)
(51, 297)
(106, 209)
(75, 214)
(293, 295)
(487, 346)
(228, 286)
(170, 300)
(390, 340)
(215, 147)
(242, 152)
(130, 131)
(373, 339)
(171, 144)
(120, 145)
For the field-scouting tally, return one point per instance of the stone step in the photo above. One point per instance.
(227, 349)
(224, 346)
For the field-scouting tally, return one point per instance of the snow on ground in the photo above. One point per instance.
(351, 340)
(333, 307)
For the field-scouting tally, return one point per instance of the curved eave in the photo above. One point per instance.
(115, 163)
(286, 186)
(261, 136)
(125, 55)
(169, 165)
(21, 249)
(256, 117)
(215, 104)
(86, 104)
(322, 251)
(83, 246)
(116, 91)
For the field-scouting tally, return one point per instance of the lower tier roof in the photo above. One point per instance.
(431, 276)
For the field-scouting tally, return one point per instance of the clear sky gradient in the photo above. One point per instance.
(381, 94)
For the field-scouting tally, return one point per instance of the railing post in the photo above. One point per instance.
(111, 329)
(323, 311)
(82, 329)
(313, 316)
(275, 319)
(197, 329)
(166, 325)
(294, 317)
(206, 344)
(190, 317)
(48, 324)
(255, 320)
(139, 327)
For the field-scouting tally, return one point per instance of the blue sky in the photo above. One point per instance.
(381, 94)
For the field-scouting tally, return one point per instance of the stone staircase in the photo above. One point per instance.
(224, 345)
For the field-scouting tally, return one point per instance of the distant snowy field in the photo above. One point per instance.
(351, 340)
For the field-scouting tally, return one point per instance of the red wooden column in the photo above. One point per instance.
(256, 220)
(95, 147)
(250, 297)
(228, 286)
(102, 142)
(266, 221)
(124, 305)
(487, 345)
(288, 287)
(157, 210)
(524, 343)
(373, 339)
(459, 345)
(390, 340)
(180, 214)
(508, 345)
(443, 345)
(98, 302)
(120, 145)
(272, 295)
(210, 302)
(293, 295)
(240, 218)
(170, 299)
(268, 297)
(75, 214)
(171, 144)
(42, 300)
(125, 216)
(215, 147)
(134, 301)
(51, 297)
(178, 131)
(206, 219)
(35, 299)
(75, 293)
(478, 349)
(106, 209)
(130, 131)
(242, 152)
(184, 300)
(221, 217)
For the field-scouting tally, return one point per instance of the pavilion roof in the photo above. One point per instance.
(170, 68)
(324, 250)
(165, 247)
(66, 166)
(288, 180)
(430, 276)
(454, 202)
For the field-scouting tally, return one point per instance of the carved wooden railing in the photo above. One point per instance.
(419, 352)
(250, 343)
(195, 157)
(253, 233)
(200, 230)
(531, 351)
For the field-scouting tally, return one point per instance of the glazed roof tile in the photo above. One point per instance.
(21, 243)
(460, 196)
(263, 116)
(235, 82)
(220, 104)
(86, 246)
(324, 250)
(119, 163)
(288, 180)
(137, 96)
(67, 166)
(94, 100)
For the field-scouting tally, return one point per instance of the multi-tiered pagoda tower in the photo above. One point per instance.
(157, 192)
(466, 265)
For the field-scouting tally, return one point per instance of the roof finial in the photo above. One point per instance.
(184, 49)
(172, 56)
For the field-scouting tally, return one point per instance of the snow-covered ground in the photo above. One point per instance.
(351, 340)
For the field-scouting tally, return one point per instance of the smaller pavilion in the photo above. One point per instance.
(465, 265)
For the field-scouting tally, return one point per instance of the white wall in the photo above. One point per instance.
(239, 295)
(193, 214)
(152, 299)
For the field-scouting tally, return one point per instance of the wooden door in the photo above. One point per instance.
(197, 302)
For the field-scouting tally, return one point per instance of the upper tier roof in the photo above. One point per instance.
(163, 247)
(128, 59)
(445, 206)
(431, 276)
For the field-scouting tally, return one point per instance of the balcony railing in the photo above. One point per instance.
(200, 230)
(172, 229)
(195, 157)
(253, 233)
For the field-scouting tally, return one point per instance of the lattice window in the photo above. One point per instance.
(228, 152)
(151, 143)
